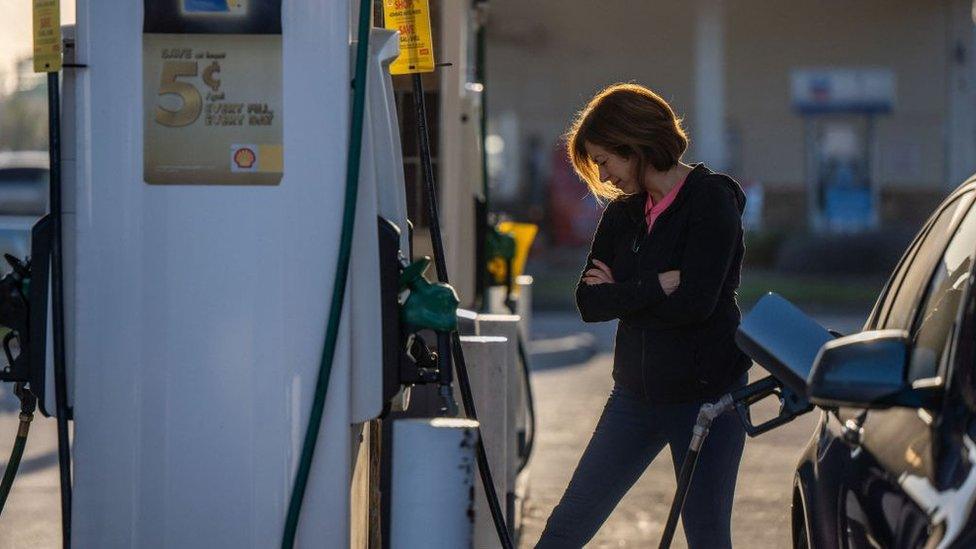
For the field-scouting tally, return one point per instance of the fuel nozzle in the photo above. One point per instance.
(424, 368)
(15, 317)
(500, 249)
(20, 268)
(433, 306)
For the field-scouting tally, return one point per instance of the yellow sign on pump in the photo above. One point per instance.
(524, 235)
(412, 19)
(47, 35)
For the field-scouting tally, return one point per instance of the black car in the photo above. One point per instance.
(893, 460)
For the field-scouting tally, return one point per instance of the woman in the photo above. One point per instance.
(665, 261)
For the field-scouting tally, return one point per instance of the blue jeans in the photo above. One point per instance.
(630, 434)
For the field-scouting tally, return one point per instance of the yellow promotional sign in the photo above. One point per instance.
(524, 235)
(412, 19)
(47, 35)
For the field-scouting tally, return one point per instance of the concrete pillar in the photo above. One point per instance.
(708, 130)
(455, 176)
(507, 326)
(433, 472)
(487, 362)
(960, 146)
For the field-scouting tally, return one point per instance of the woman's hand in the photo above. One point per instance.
(600, 275)
(670, 281)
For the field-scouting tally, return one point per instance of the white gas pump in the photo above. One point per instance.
(201, 216)
(200, 308)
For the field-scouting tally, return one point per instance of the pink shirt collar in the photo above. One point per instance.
(652, 210)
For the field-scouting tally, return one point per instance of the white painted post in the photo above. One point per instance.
(433, 471)
(524, 308)
(507, 326)
(495, 296)
(467, 322)
(709, 118)
(486, 359)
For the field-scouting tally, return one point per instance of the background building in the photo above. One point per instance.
(729, 69)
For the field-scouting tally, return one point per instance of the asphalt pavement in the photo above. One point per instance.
(571, 379)
(569, 398)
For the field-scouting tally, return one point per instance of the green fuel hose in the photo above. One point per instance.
(342, 272)
(28, 403)
(14, 462)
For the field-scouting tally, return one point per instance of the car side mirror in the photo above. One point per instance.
(867, 370)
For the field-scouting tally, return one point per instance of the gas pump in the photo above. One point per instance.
(839, 107)
(449, 344)
(200, 231)
(205, 235)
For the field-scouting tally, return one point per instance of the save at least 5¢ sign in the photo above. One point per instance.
(212, 92)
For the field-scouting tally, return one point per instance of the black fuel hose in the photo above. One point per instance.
(57, 306)
(529, 404)
(460, 365)
(706, 415)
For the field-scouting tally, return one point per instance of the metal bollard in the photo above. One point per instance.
(433, 472)
(487, 362)
(507, 326)
(467, 322)
(524, 307)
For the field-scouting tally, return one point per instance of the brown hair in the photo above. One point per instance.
(631, 121)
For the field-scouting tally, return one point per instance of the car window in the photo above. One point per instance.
(880, 309)
(904, 294)
(940, 305)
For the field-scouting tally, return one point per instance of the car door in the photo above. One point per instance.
(923, 298)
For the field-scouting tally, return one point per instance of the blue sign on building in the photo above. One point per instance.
(843, 90)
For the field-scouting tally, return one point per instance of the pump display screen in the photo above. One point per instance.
(212, 92)
(228, 7)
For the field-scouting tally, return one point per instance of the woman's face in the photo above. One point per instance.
(615, 169)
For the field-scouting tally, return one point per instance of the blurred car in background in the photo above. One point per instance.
(23, 199)
(893, 461)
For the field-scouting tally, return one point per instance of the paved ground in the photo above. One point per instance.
(32, 514)
(569, 400)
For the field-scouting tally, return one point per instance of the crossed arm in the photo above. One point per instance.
(673, 298)
(601, 274)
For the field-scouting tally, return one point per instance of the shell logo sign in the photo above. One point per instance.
(244, 158)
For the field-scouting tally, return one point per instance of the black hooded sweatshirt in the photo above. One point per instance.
(679, 347)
